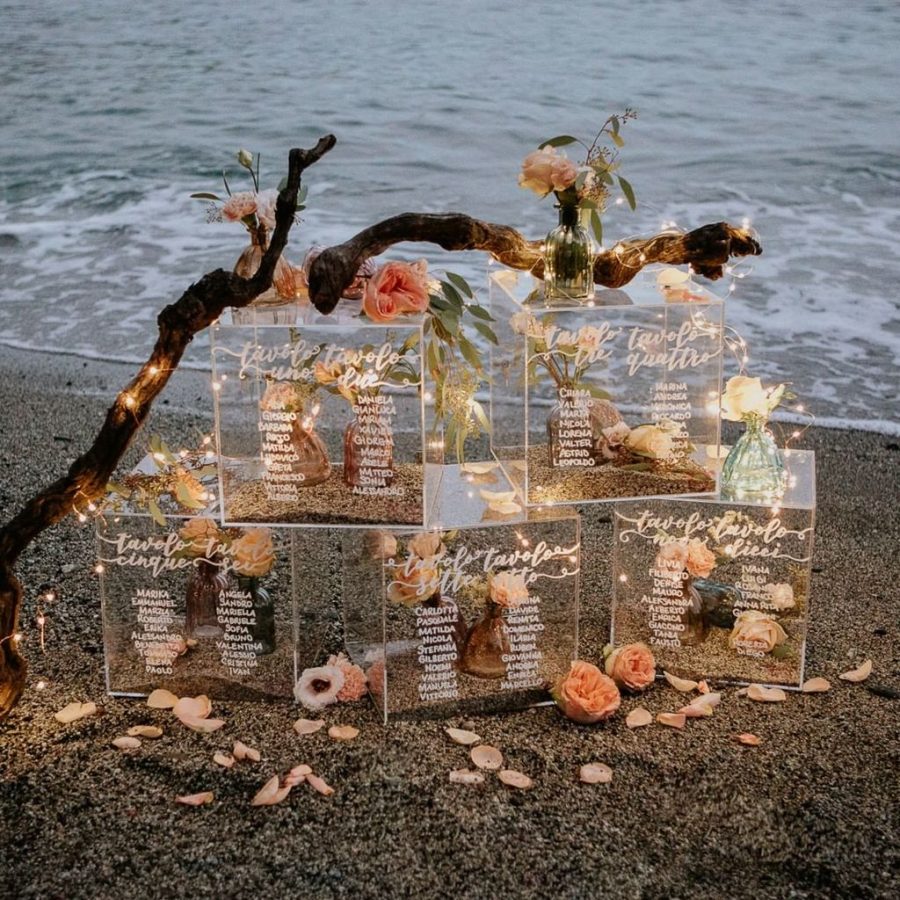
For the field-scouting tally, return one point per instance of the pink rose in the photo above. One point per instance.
(396, 288)
(239, 205)
(700, 559)
(586, 695)
(563, 173)
(631, 666)
(355, 681)
(537, 174)
(508, 590)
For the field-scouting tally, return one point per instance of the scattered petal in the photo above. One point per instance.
(75, 711)
(193, 707)
(466, 776)
(685, 685)
(343, 732)
(146, 731)
(308, 726)
(161, 699)
(461, 736)
(816, 686)
(127, 743)
(751, 740)
(859, 674)
(638, 717)
(486, 757)
(505, 508)
(707, 700)
(319, 785)
(195, 799)
(204, 726)
(271, 793)
(696, 711)
(766, 695)
(241, 751)
(478, 468)
(497, 496)
(226, 760)
(673, 720)
(595, 773)
(298, 775)
(703, 687)
(512, 778)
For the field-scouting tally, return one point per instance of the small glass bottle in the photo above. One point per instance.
(487, 643)
(754, 467)
(205, 582)
(568, 258)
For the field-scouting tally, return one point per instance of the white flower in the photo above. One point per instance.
(317, 688)
(781, 596)
(744, 397)
(651, 441)
(617, 434)
(757, 631)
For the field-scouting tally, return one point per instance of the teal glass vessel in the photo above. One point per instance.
(568, 259)
(754, 467)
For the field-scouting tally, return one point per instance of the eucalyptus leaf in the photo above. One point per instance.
(453, 296)
(479, 312)
(460, 283)
(614, 121)
(470, 352)
(486, 331)
(597, 226)
(617, 139)
(156, 513)
(205, 195)
(439, 303)
(628, 191)
(481, 416)
(561, 140)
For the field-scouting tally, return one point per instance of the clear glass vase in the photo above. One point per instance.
(568, 258)
(206, 581)
(486, 644)
(263, 631)
(280, 300)
(754, 467)
(309, 455)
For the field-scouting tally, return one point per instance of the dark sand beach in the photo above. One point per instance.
(812, 812)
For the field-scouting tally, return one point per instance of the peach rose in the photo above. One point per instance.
(700, 559)
(631, 666)
(201, 534)
(253, 553)
(508, 589)
(413, 582)
(425, 544)
(381, 544)
(586, 695)
(396, 288)
(743, 397)
(756, 631)
(355, 682)
(672, 557)
(536, 172)
(563, 173)
(781, 596)
(239, 205)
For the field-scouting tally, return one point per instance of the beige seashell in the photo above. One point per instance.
(696, 711)
(685, 685)
(226, 760)
(595, 773)
(751, 740)
(497, 496)
(673, 720)
(638, 717)
(319, 785)
(271, 792)
(466, 776)
(193, 707)
(75, 711)
(204, 726)
(861, 673)
(512, 778)
(161, 699)
(486, 757)
(461, 736)
(241, 751)
(815, 686)
(505, 508)
(145, 731)
(127, 743)
(478, 468)
(343, 732)
(195, 799)
(766, 695)
(308, 726)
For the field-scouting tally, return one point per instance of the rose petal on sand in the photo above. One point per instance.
(751, 740)
(298, 775)
(204, 726)
(461, 736)
(595, 773)
(497, 496)
(241, 751)
(127, 743)
(478, 468)
(673, 720)
(343, 732)
(696, 711)
(466, 776)
(638, 717)
(308, 726)
(161, 699)
(505, 508)
(707, 700)
(685, 685)
(145, 731)
(861, 673)
(195, 799)
(512, 778)
(703, 687)
(75, 711)
(226, 760)
(271, 792)
(815, 686)
(486, 757)
(766, 695)
(193, 707)
(320, 785)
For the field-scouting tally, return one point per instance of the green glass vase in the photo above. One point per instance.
(568, 258)
(754, 467)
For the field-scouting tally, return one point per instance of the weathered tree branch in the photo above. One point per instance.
(200, 305)
(707, 249)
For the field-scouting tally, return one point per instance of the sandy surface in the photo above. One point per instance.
(809, 813)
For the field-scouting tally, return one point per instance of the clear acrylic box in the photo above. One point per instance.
(608, 398)
(719, 589)
(320, 423)
(464, 620)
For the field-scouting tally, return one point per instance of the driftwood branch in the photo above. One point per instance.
(707, 249)
(200, 305)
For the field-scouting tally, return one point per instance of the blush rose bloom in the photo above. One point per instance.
(265, 208)
(758, 630)
(563, 173)
(355, 681)
(672, 557)
(536, 174)
(744, 397)
(651, 441)
(239, 205)
(586, 695)
(396, 288)
(425, 544)
(201, 535)
(781, 596)
(508, 589)
(253, 552)
(700, 559)
(632, 667)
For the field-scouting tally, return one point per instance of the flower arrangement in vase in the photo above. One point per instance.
(583, 186)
